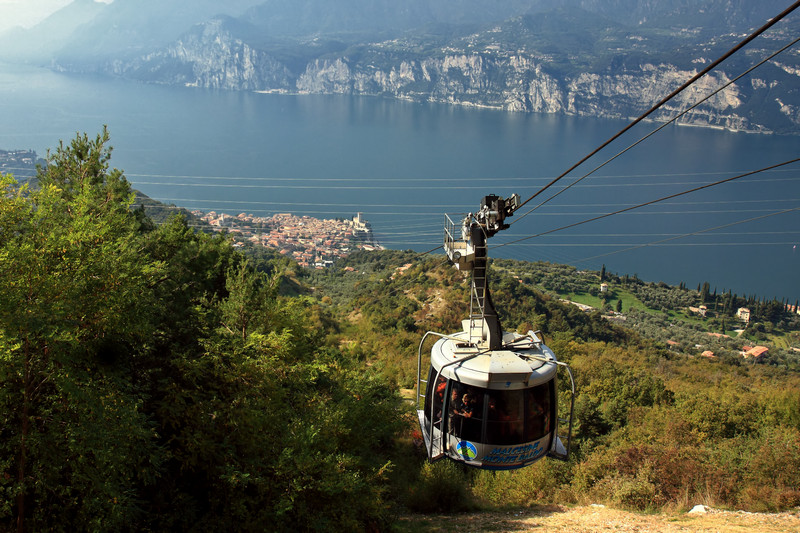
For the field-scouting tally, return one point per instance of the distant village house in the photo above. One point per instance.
(755, 352)
(744, 314)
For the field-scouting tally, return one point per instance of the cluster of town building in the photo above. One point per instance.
(312, 242)
(20, 163)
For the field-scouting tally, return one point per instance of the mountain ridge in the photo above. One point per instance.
(608, 59)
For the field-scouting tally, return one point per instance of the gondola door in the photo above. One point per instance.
(434, 420)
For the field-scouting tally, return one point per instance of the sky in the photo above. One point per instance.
(27, 13)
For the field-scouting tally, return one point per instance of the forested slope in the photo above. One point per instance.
(656, 427)
(154, 378)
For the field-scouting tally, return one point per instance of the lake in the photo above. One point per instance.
(403, 165)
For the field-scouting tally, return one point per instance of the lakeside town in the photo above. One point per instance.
(312, 242)
(20, 163)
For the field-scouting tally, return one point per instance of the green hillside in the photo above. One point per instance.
(659, 426)
(155, 378)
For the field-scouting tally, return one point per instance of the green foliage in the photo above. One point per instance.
(154, 379)
(541, 482)
(653, 429)
(74, 303)
(610, 387)
(775, 456)
(442, 487)
(160, 213)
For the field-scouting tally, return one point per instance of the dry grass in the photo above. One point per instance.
(585, 519)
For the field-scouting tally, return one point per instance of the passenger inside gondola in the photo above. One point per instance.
(438, 398)
(466, 411)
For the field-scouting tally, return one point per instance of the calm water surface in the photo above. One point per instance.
(403, 165)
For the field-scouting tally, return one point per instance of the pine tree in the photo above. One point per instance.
(71, 259)
(705, 292)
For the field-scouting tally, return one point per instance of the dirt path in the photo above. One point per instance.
(587, 519)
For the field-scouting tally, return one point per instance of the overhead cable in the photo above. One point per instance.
(670, 121)
(672, 95)
(662, 199)
(661, 241)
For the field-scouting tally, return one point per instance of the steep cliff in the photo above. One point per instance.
(571, 63)
(211, 57)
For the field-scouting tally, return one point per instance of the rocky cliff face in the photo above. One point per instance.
(518, 83)
(211, 57)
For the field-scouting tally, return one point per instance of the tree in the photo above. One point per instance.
(73, 306)
(619, 306)
(248, 296)
(603, 273)
(705, 292)
(152, 379)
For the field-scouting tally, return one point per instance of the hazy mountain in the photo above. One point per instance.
(711, 16)
(606, 58)
(129, 27)
(85, 32)
(39, 42)
(326, 17)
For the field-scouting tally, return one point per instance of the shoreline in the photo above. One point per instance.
(491, 107)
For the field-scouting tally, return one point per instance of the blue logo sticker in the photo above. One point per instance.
(467, 450)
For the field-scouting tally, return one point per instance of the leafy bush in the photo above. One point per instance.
(158, 381)
(442, 487)
(545, 481)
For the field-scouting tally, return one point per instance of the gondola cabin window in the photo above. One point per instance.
(538, 411)
(500, 417)
(505, 420)
(465, 411)
(437, 397)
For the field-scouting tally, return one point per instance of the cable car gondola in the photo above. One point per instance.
(489, 398)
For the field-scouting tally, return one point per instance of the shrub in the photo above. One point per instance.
(443, 486)
(543, 482)
(772, 475)
(632, 492)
